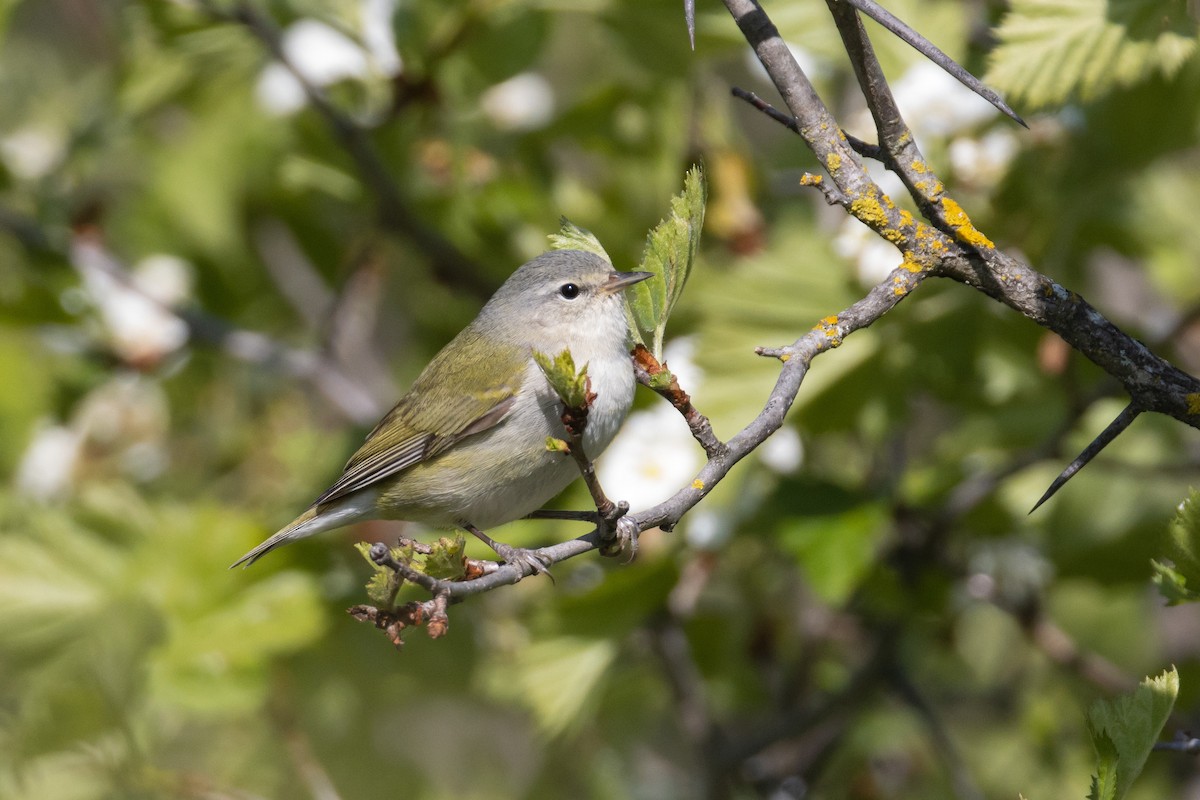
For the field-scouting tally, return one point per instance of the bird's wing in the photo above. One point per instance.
(442, 408)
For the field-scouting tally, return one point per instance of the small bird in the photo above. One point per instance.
(466, 446)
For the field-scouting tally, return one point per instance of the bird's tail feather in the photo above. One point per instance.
(315, 520)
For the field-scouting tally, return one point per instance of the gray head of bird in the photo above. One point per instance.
(558, 298)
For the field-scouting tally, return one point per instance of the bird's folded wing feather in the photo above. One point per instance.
(440, 410)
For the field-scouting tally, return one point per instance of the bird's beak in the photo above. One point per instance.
(619, 280)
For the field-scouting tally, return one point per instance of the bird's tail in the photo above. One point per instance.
(314, 520)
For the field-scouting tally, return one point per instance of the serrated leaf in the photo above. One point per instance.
(380, 589)
(669, 254)
(570, 384)
(384, 583)
(1124, 730)
(1050, 52)
(1179, 581)
(572, 237)
(445, 561)
(1104, 782)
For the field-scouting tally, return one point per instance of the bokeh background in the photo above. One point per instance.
(213, 282)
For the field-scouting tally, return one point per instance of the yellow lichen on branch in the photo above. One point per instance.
(963, 228)
(829, 327)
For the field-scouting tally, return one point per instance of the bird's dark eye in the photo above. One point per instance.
(569, 290)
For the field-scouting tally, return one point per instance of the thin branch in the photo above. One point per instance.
(574, 421)
(898, 149)
(381, 554)
(1114, 429)
(1058, 645)
(395, 212)
(28, 232)
(1182, 743)
(933, 53)
(864, 149)
(965, 787)
(659, 378)
(87, 252)
(695, 718)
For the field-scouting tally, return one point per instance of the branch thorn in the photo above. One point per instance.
(1114, 429)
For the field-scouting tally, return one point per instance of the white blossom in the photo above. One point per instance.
(983, 161)
(524, 102)
(32, 151)
(324, 55)
(782, 452)
(933, 102)
(47, 468)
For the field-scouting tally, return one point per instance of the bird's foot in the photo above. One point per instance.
(531, 562)
(622, 536)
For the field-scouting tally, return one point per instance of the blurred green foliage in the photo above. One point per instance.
(210, 289)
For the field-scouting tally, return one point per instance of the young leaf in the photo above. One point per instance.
(571, 386)
(445, 561)
(1179, 582)
(1125, 729)
(1050, 52)
(384, 583)
(669, 254)
(1172, 585)
(572, 237)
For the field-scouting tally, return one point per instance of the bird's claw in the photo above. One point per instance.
(530, 562)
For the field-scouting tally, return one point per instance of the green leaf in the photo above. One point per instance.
(1172, 585)
(1050, 52)
(445, 562)
(1124, 730)
(571, 385)
(669, 254)
(384, 583)
(572, 237)
(1179, 581)
(558, 679)
(836, 552)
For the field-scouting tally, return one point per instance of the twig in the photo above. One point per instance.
(1182, 743)
(964, 784)
(450, 264)
(897, 148)
(931, 51)
(393, 622)
(27, 231)
(381, 554)
(865, 149)
(659, 378)
(1062, 649)
(87, 252)
(574, 420)
(674, 652)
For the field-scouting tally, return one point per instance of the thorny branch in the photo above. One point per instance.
(951, 247)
